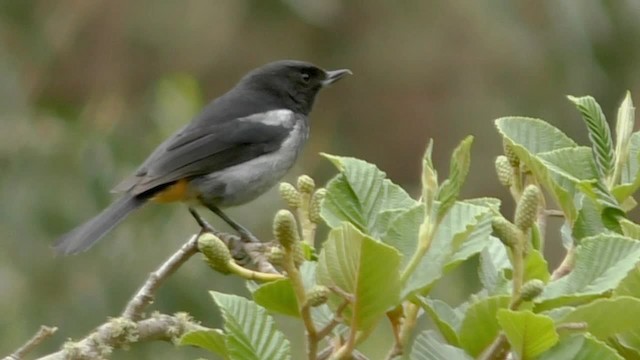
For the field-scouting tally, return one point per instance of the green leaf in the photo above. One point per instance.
(277, 296)
(607, 317)
(480, 324)
(429, 179)
(403, 232)
(427, 347)
(212, 340)
(624, 128)
(363, 267)
(630, 174)
(535, 267)
(630, 229)
(529, 334)
(494, 260)
(446, 319)
(251, 333)
(463, 232)
(601, 263)
(580, 347)
(599, 133)
(359, 195)
(459, 168)
(630, 285)
(534, 135)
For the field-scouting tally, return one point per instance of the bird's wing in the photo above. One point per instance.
(202, 148)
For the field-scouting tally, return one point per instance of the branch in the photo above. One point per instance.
(42, 334)
(119, 333)
(144, 297)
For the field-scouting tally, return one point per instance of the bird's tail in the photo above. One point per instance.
(84, 236)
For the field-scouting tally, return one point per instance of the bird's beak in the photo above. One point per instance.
(335, 75)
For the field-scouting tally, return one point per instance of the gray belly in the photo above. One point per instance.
(244, 182)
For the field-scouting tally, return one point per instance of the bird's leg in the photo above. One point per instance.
(244, 233)
(204, 225)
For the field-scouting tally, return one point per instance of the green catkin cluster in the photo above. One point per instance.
(527, 209)
(290, 195)
(215, 251)
(285, 229)
(504, 171)
(318, 295)
(306, 184)
(276, 255)
(531, 289)
(511, 155)
(316, 205)
(507, 232)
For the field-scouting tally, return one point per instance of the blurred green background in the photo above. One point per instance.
(89, 87)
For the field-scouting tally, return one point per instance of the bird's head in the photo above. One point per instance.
(295, 83)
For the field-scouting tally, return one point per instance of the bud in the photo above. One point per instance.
(290, 195)
(318, 295)
(275, 255)
(510, 154)
(531, 289)
(508, 233)
(215, 251)
(527, 209)
(316, 205)
(306, 184)
(285, 229)
(504, 171)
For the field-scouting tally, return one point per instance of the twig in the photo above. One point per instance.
(566, 266)
(119, 333)
(498, 350)
(335, 321)
(144, 296)
(42, 334)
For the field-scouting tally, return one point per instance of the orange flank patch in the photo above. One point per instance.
(178, 191)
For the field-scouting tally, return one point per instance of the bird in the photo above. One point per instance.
(238, 147)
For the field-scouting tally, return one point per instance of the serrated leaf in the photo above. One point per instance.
(446, 318)
(529, 334)
(493, 262)
(535, 267)
(480, 325)
(580, 347)
(363, 267)
(251, 332)
(212, 340)
(277, 296)
(359, 194)
(427, 347)
(403, 231)
(607, 317)
(463, 232)
(630, 229)
(624, 128)
(630, 285)
(599, 133)
(601, 263)
(630, 174)
(534, 135)
(492, 203)
(459, 167)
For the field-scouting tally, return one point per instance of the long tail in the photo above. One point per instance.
(84, 236)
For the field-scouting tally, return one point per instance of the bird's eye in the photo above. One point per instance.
(306, 77)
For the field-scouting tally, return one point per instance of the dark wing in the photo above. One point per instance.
(200, 149)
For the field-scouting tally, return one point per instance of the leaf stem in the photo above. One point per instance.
(427, 232)
(301, 296)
